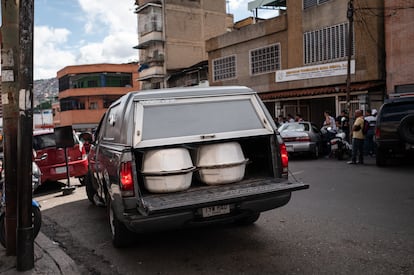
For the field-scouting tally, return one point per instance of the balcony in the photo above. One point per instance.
(97, 91)
(145, 40)
(80, 117)
(151, 72)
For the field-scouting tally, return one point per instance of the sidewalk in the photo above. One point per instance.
(49, 259)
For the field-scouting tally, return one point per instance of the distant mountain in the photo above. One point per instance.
(45, 90)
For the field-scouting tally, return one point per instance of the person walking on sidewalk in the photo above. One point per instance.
(358, 139)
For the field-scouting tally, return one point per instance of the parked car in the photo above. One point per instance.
(51, 160)
(186, 157)
(394, 132)
(302, 137)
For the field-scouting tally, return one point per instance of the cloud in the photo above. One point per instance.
(105, 35)
(114, 48)
(240, 10)
(50, 53)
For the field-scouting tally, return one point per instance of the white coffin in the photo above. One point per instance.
(167, 170)
(221, 163)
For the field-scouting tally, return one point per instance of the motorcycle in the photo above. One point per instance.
(340, 147)
(36, 215)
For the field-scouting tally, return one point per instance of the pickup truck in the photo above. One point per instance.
(394, 130)
(182, 157)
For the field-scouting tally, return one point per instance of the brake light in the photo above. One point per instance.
(285, 158)
(126, 178)
(302, 138)
(377, 133)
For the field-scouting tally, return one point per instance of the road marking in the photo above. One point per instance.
(297, 172)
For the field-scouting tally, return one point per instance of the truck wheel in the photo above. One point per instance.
(381, 158)
(90, 191)
(406, 129)
(2, 231)
(121, 236)
(248, 220)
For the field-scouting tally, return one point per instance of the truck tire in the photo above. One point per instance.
(121, 236)
(406, 129)
(248, 220)
(381, 158)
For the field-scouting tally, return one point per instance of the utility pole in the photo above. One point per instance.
(10, 100)
(350, 16)
(17, 99)
(25, 246)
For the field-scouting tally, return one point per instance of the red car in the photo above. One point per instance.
(51, 160)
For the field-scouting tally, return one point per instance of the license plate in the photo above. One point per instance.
(289, 148)
(215, 210)
(334, 146)
(60, 170)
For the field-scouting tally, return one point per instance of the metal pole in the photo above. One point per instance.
(25, 247)
(10, 101)
(350, 16)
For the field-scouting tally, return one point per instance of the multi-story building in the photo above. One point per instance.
(298, 60)
(399, 38)
(172, 35)
(86, 91)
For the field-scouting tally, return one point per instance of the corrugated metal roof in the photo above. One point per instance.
(321, 90)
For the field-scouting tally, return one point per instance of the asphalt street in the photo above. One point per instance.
(354, 219)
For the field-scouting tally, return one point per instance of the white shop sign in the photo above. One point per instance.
(316, 71)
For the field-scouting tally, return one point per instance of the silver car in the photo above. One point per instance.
(301, 137)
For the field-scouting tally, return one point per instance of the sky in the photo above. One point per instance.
(77, 32)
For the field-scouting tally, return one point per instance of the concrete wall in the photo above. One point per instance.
(399, 33)
(187, 25)
(288, 29)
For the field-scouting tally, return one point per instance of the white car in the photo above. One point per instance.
(301, 137)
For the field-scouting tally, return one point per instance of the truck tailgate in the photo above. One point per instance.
(209, 195)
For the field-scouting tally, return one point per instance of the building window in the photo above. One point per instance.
(327, 44)
(265, 60)
(93, 106)
(224, 68)
(312, 3)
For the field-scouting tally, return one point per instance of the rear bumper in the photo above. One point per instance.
(394, 146)
(300, 147)
(58, 172)
(192, 217)
(185, 209)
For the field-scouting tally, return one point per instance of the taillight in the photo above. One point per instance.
(377, 133)
(304, 138)
(126, 178)
(285, 158)
(295, 139)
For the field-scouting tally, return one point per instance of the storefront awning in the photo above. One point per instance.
(326, 90)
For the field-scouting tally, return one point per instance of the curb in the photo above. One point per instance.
(64, 263)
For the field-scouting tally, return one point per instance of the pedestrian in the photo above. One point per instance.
(342, 122)
(329, 121)
(358, 139)
(290, 118)
(369, 144)
(298, 118)
(281, 120)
